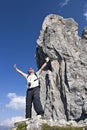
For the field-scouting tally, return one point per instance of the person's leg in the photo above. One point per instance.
(36, 101)
(28, 103)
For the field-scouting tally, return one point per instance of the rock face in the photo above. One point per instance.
(64, 80)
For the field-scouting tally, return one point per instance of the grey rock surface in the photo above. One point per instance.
(64, 80)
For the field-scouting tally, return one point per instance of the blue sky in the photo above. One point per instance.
(20, 25)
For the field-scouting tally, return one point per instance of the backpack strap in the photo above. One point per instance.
(27, 75)
(37, 79)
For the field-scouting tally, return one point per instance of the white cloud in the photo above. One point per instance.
(85, 11)
(16, 102)
(10, 122)
(85, 14)
(64, 3)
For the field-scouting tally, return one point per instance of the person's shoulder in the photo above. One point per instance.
(26, 75)
(37, 73)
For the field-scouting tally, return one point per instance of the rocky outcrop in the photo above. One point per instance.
(47, 124)
(64, 80)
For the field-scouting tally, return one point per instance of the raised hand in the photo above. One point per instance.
(47, 59)
(15, 66)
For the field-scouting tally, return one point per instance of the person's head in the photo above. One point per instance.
(30, 71)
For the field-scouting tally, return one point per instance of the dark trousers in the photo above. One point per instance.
(33, 96)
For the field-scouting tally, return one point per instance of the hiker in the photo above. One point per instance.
(33, 89)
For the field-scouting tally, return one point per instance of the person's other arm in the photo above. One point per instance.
(43, 66)
(19, 71)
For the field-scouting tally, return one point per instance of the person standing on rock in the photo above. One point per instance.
(33, 89)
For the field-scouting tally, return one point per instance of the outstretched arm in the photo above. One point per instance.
(19, 71)
(43, 66)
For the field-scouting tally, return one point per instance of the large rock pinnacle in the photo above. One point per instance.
(64, 80)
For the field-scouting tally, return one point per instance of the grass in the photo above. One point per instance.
(22, 126)
(47, 127)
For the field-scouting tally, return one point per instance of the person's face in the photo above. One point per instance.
(31, 70)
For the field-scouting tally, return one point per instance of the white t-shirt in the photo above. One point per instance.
(32, 80)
